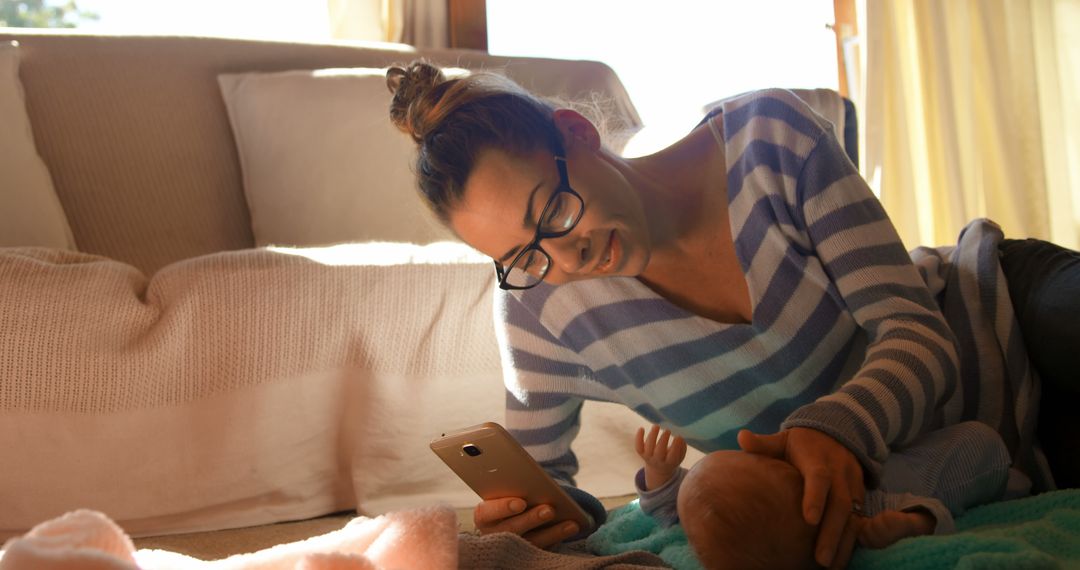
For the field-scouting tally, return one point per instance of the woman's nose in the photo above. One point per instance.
(569, 253)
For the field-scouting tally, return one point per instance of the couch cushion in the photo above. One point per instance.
(322, 163)
(32, 214)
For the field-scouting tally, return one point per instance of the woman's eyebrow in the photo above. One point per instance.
(526, 222)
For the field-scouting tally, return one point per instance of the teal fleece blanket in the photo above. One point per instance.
(1030, 533)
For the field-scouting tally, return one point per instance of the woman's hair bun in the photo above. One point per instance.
(413, 87)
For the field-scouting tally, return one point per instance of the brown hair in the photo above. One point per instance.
(453, 120)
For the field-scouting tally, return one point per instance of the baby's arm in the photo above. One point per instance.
(894, 516)
(662, 456)
(887, 527)
(659, 481)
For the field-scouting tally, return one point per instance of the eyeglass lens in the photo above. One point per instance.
(562, 214)
(528, 269)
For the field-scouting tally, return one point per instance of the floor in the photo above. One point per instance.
(224, 543)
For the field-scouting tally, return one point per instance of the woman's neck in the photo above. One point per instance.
(692, 261)
(680, 187)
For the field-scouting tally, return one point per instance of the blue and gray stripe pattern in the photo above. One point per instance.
(847, 336)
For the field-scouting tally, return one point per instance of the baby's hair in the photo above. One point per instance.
(730, 521)
(452, 120)
(733, 532)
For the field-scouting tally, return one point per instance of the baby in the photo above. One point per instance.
(741, 510)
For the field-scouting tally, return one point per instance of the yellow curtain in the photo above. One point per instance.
(971, 108)
(420, 23)
(371, 20)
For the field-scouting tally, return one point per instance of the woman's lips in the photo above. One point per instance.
(611, 254)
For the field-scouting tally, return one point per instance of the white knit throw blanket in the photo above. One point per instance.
(238, 388)
(82, 333)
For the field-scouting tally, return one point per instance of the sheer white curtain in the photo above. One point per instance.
(972, 109)
(421, 23)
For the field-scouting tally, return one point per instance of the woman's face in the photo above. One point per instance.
(505, 194)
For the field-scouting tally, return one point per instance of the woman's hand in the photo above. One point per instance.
(832, 485)
(509, 515)
(661, 459)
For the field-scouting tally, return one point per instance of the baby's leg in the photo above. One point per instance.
(963, 465)
(887, 527)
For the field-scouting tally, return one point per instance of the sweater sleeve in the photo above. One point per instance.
(911, 363)
(543, 408)
(541, 412)
(660, 503)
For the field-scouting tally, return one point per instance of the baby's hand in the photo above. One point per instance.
(887, 527)
(661, 458)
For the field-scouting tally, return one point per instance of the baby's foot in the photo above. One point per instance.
(887, 527)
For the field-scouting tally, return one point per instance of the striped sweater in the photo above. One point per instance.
(849, 336)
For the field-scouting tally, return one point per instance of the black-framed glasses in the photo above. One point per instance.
(558, 218)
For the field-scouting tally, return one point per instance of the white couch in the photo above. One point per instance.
(160, 364)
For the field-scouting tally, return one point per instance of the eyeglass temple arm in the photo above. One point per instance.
(560, 162)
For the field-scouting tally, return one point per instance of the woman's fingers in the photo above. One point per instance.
(773, 445)
(816, 484)
(833, 481)
(839, 494)
(537, 516)
(833, 522)
(492, 511)
(639, 441)
(856, 484)
(847, 542)
(552, 535)
(509, 515)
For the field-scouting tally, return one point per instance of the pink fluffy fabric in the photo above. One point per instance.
(88, 540)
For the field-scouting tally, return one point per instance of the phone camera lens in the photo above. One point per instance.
(471, 450)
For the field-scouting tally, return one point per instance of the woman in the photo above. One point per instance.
(752, 281)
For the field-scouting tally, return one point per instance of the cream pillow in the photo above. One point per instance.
(31, 214)
(322, 163)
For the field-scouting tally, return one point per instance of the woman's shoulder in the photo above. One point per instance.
(771, 105)
(763, 97)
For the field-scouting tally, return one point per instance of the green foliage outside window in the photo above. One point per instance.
(42, 14)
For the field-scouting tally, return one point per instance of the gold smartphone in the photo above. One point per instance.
(490, 461)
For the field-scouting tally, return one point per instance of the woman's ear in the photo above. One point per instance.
(576, 130)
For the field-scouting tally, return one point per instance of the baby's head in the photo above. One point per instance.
(741, 510)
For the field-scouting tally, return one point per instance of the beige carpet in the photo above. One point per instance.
(224, 543)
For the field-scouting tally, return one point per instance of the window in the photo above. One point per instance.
(295, 20)
(676, 56)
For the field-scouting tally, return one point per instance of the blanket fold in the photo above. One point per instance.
(423, 538)
(88, 540)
